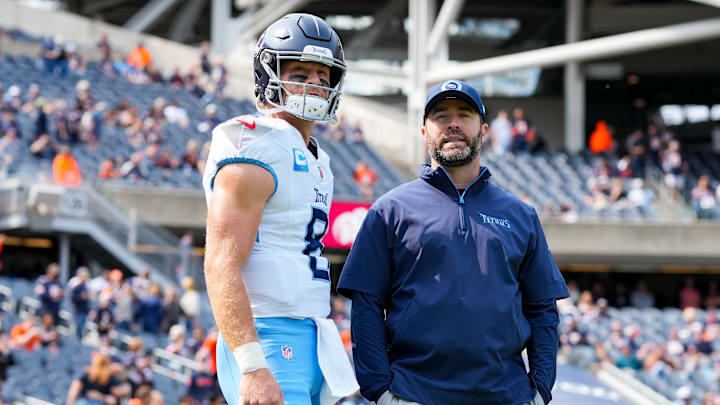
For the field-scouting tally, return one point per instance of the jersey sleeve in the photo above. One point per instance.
(539, 276)
(241, 140)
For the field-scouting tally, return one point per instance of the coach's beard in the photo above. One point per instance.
(454, 157)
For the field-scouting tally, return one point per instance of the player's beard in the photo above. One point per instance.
(455, 157)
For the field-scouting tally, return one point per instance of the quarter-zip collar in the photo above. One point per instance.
(440, 179)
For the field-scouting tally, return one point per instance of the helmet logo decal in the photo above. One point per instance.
(318, 50)
(452, 85)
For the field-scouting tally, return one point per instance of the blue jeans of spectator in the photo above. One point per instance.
(80, 318)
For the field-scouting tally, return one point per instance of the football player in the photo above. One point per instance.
(269, 187)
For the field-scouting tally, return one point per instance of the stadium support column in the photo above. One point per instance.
(64, 254)
(219, 26)
(420, 12)
(574, 81)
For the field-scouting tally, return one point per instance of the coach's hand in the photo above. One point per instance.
(260, 388)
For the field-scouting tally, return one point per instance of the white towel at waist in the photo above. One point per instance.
(334, 363)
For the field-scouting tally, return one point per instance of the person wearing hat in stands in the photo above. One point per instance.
(451, 278)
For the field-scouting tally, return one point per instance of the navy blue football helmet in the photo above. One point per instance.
(305, 38)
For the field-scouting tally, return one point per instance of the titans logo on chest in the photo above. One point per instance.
(320, 197)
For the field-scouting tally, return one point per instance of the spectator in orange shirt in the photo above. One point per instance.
(139, 57)
(25, 335)
(365, 177)
(601, 140)
(66, 171)
(208, 351)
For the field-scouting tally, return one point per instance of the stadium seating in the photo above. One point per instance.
(655, 325)
(548, 179)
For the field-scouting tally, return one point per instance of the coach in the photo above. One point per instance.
(451, 278)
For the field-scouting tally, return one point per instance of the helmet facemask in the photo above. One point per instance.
(302, 105)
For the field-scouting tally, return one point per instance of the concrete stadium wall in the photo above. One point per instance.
(604, 243)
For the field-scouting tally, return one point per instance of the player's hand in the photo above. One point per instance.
(260, 388)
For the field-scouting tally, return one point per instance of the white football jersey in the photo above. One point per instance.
(285, 275)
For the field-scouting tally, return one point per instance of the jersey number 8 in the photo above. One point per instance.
(315, 230)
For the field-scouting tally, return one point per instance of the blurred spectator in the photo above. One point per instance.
(50, 291)
(190, 300)
(102, 316)
(205, 58)
(623, 167)
(176, 341)
(25, 335)
(10, 148)
(74, 60)
(54, 57)
(141, 283)
(712, 298)
(6, 360)
(139, 57)
(80, 298)
(97, 384)
(98, 283)
(672, 165)
(207, 352)
(107, 170)
(365, 178)
(620, 296)
(627, 358)
(641, 297)
(202, 385)
(172, 311)
(501, 133)
(175, 114)
(638, 195)
(103, 45)
(13, 98)
(210, 121)
(689, 294)
(149, 313)
(194, 343)
(124, 305)
(703, 199)
(683, 396)
(65, 169)
(185, 248)
(191, 156)
(140, 374)
(49, 337)
(522, 130)
(44, 147)
(601, 140)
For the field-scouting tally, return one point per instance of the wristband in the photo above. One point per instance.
(249, 357)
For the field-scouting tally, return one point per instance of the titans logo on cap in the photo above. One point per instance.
(451, 85)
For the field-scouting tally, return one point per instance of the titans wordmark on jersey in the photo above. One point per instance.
(286, 276)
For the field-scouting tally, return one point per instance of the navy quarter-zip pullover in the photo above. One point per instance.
(448, 288)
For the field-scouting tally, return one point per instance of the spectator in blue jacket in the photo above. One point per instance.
(80, 298)
(50, 292)
(149, 313)
(451, 278)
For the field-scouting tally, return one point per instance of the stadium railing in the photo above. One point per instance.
(138, 244)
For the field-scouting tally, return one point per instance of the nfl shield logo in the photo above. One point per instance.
(287, 352)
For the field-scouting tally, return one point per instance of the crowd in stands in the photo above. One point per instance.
(675, 351)
(134, 307)
(620, 170)
(59, 126)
